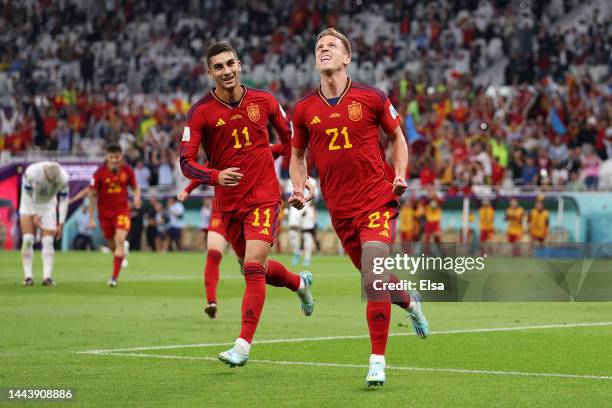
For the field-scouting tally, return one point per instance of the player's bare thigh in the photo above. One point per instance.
(256, 251)
(216, 241)
(117, 243)
(27, 224)
(30, 222)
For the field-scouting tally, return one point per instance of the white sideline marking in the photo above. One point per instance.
(363, 366)
(360, 336)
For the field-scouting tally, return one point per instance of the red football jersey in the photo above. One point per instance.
(112, 189)
(344, 142)
(235, 137)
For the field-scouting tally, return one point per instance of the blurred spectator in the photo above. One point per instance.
(136, 227)
(143, 175)
(590, 168)
(83, 240)
(176, 223)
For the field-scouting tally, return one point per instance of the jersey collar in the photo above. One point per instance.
(342, 95)
(227, 104)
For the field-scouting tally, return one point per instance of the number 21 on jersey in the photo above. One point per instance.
(333, 132)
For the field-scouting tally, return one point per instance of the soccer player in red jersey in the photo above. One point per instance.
(216, 241)
(339, 122)
(231, 124)
(109, 189)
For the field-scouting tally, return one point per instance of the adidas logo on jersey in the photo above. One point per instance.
(315, 120)
(220, 122)
(264, 231)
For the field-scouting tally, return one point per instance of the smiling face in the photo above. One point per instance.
(224, 69)
(331, 55)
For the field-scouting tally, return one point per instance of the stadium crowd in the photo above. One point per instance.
(76, 75)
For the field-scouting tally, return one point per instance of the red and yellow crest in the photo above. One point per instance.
(253, 111)
(123, 177)
(215, 222)
(354, 111)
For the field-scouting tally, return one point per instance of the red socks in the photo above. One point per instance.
(117, 266)
(280, 276)
(253, 299)
(211, 274)
(378, 315)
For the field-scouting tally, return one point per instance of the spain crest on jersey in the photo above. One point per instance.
(253, 111)
(123, 177)
(354, 111)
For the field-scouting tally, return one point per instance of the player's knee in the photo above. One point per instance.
(47, 245)
(27, 242)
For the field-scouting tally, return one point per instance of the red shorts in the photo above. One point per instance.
(376, 225)
(406, 236)
(109, 225)
(514, 237)
(486, 235)
(432, 227)
(216, 225)
(259, 223)
(537, 239)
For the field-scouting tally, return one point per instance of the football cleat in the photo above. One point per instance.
(113, 283)
(211, 310)
(306, 263)
(232, 358)
(305, 294)
(28, 282)
(376, 374)
(416, 316)
(49, 282)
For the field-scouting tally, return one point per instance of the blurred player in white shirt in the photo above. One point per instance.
(42, 183)
(302, 223)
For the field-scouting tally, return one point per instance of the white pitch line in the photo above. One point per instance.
(355, 337)
(363, 366)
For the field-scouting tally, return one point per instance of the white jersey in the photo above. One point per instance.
(39, 195)
(42, 192)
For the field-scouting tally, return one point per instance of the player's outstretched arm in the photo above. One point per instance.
(78, 196)
(93, 199)
(137, 197)
(400, 160)
(299, 179)
(182, 196)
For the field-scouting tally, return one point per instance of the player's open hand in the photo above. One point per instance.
(230, 177)
(137, 202)
(399, 185)
(92, 223)
(182, 196)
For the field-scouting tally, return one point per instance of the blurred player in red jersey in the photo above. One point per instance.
(231, 125)
(339, 123)
(216, 242)
(433, 217)
(109, 189)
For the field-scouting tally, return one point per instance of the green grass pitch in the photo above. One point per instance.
(160, 303)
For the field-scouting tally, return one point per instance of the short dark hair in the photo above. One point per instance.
(113, 148)
(217, 48)
(335, 33)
